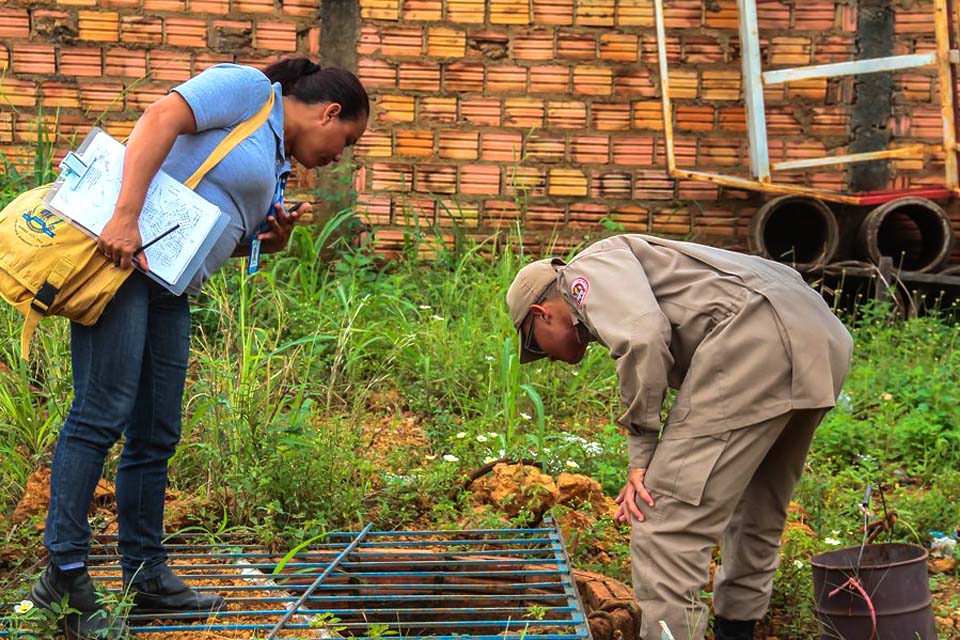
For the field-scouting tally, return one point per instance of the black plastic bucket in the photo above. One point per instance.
(882, 595)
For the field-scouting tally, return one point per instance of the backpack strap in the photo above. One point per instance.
(235, 137)
(42, 301)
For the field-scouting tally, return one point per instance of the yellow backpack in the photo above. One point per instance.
(50, 267)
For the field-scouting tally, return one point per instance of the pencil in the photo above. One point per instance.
(158, 238)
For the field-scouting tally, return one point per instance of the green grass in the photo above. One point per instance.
(288, 366)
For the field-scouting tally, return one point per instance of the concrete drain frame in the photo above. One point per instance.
(487, 584)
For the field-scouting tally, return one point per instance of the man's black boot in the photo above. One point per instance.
(167, 593)
(93, 622)
(724, 629)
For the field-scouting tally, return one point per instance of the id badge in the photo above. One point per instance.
(253, 261)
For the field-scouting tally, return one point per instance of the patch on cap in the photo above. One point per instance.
(579, 289)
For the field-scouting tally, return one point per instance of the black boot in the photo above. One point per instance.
(167, 593)
(93, 622)
(724, 629)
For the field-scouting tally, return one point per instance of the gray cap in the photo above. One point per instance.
(527, 287)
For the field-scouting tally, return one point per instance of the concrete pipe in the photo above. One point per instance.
(798, 230)
(914, 232)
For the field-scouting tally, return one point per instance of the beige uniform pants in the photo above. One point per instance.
(734, 488)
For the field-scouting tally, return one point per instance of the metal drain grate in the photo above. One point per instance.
(488, 584)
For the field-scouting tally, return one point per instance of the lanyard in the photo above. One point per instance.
(253, 262)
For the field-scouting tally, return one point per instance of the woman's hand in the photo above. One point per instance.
(120, 241)
(281, 226)
(628, 497)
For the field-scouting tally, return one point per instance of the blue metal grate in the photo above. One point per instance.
(487, 584)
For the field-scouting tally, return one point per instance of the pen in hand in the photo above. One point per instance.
(150, 243)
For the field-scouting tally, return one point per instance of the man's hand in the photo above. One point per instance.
(120, 240)
(281, 226)
(628, 497)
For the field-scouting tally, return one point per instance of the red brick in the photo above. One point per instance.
(610, 116)
(14, 23)
(414, 143)
(699, 48)
(437, 109)
(479, 179)
(695, 117)
(34, 59)
(649, 52)
(101, 97)
(773, 15)
(276, 36)
(595, 13)
(141, 30)
(566, 182)
(789, 51)
(376, 74)
(4, 58)
(634, 82)
(58, 26)
(545, 216)
(436, 178)
(481, 111)
(523, 112)
(446, 43)
(533, 45)
(648, 114)
(101, 26)
(369, 40)
(214, 7)
(587, 215)
(633, 151)
(463, 76)
(818, 15)
(592, 80)
(60, 95)
(466, 11)
(653, 184)
(831, 121)
(458, 145)
(506, 79)
(621, 47)
(566, 114)
(509, 11)
(402, 41)
(553, 12)
(81, 61)
(374, 144)
(204, 61)
(373, 209)
(183, 32)
(299, 8)
(497, 146)
(576, 46)
(170, 65)
(814, 89)
(394, 108)
(417, 211)
(488, 44)
(550, 79)
(671, 220)
(720, 84)
(833, 48)
(380, 9)
(421, 9)
(500, 213)
(524, 181)
(635, 13)
(127, 63)
(720, 152)
(457, 213)
(611, 184)
(682, 14)
(634, 218)
(721, 15)
(253, 6)
(544, 147)
(18, 93)
(391, 176)
(590, 149)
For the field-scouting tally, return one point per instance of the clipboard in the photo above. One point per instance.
(86, 192)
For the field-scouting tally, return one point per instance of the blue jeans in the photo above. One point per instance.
(128, 378)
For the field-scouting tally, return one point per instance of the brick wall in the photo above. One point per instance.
(492, 113)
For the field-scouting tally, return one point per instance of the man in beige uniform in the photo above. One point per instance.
(757, 358)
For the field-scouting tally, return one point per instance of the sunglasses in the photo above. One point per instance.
(529, 342)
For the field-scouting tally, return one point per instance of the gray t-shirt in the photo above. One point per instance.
(243, 184)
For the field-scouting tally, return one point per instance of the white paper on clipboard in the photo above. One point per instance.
(86, 194)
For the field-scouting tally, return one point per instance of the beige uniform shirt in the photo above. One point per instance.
(742, 339)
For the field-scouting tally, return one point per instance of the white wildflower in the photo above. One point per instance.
(576, 373)
(481, 437)
(24, 607)
(461, 435)
(424, 307)
(489, 459)
(525, 416)
(502, 452)
(593, 448)
(886, 397)
(798, 564)
(430, 456)
(493, 434)
(573, 464)
(490, 358)
(832, 541)
(449, 457)
(437, 318)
